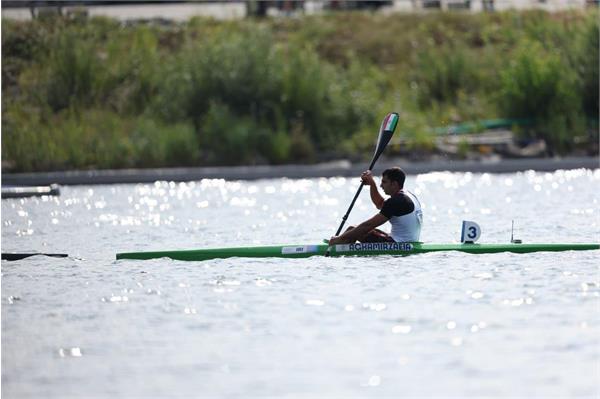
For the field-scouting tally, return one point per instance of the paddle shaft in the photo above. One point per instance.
(339, 230)
(337, 233)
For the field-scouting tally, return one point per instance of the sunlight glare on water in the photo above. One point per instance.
(438, 324)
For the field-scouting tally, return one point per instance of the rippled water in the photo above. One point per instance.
(441, 324)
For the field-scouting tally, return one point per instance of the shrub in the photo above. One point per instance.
(93, 138)
(538, 84)
(157, 144)
(440, 73)
(26, 146)
(132, 71)
(21, 44)
(587, 68)
(73, 73)
(265, 92)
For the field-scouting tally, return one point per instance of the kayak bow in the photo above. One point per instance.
(365, 249)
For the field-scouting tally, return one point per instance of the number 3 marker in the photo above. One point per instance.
(470, 232)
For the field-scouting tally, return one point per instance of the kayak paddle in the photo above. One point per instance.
(386, 131)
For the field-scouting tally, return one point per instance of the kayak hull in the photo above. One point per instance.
(366, 249)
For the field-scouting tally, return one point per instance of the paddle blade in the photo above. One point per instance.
(386, 131)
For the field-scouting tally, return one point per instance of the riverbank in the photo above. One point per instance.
(331, 169)
(93, 93)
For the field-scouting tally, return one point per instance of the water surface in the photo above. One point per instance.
(440, 324)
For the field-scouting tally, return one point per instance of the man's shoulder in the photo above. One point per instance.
(401, 197)
(398, 204)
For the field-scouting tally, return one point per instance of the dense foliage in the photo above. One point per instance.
(94, 93)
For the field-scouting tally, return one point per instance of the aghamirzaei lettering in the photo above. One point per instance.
(375, 246)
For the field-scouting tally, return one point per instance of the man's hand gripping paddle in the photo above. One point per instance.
(386, 131)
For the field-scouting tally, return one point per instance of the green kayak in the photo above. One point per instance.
(366, 249)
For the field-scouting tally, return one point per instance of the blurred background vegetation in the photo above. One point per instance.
(96, 93)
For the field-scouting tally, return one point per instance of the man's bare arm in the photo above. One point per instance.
(359, 231)
(367, 179)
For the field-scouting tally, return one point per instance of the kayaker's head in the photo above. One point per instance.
(392, 180)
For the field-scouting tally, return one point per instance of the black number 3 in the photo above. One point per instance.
(472, 232)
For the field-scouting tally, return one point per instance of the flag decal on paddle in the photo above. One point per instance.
(386, 131)
(390, 122)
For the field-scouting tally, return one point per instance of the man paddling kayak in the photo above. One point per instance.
(402, 209)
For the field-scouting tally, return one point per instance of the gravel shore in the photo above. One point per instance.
(338, 168)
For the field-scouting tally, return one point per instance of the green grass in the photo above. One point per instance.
(91, 93)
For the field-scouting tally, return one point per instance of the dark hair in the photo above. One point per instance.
(395, 174)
